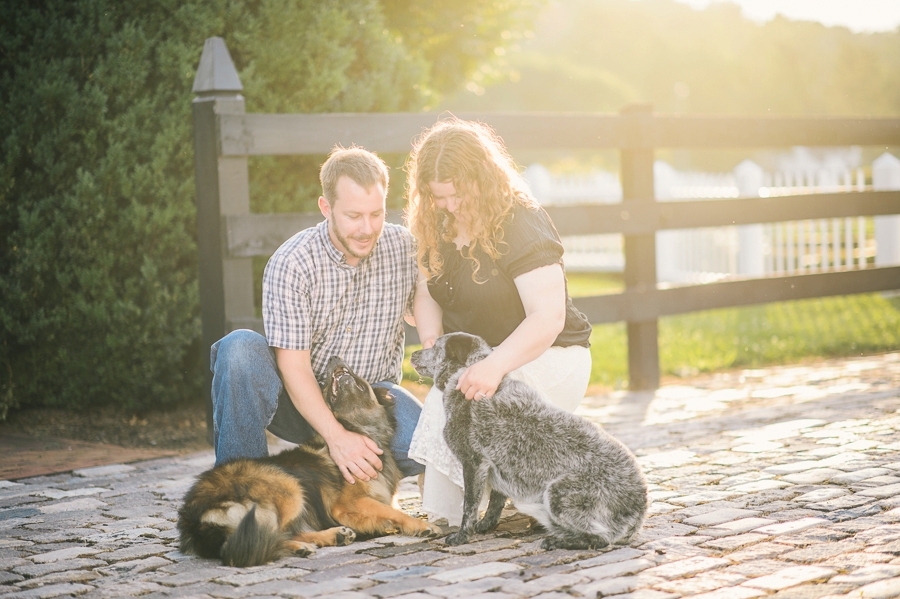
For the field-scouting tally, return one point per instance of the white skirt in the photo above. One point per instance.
(560, 374)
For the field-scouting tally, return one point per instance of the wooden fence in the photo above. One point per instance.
(708, 254)
(229, 235)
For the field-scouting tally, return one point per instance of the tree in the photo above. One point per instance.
(599, 55)
(98, 272)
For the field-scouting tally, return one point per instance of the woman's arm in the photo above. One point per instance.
(427, 313)
(543, 294)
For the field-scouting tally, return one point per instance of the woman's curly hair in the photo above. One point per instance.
(473, 157)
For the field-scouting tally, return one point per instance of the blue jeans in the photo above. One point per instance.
(249, 397)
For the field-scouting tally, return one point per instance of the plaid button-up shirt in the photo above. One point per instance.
(313, 300)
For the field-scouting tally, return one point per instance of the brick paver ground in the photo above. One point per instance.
(783, 483)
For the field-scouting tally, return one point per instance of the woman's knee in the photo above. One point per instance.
(408, 466)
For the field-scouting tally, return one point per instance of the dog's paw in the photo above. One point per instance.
(301, 549)
(429, 532)
(344, 536)
(457, 538)
(550, 543)
(482, 527)
(387, 526)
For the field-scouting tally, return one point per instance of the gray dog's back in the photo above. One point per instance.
(574, 478)
(584, 486)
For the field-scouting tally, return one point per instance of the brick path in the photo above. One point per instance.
(782, 482)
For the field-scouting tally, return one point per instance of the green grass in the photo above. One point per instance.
(776, 333)
(581, 284)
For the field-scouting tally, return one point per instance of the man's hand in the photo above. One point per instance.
(356, 456)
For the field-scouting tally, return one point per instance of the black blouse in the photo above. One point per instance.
(493, 309)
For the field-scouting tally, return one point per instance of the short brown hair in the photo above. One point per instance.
(365, 168)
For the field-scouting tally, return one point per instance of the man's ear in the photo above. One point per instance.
(324, 207)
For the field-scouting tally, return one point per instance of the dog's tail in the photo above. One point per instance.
(253, 543)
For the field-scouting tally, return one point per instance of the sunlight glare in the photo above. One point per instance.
(858, 16)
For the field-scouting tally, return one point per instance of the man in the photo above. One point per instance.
(340, 288)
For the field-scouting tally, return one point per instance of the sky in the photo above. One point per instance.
(857, 15)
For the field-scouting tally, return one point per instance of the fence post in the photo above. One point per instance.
(670, 262)
(886, 177)
(750, 177)
(540, 181)
(226, 285)
(640, 251)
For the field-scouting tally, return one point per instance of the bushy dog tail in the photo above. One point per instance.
(253, 543)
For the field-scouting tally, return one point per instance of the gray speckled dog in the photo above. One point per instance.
(581, 484)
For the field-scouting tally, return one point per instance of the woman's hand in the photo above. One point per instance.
(480, 380)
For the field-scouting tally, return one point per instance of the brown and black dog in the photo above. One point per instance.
(252, 511)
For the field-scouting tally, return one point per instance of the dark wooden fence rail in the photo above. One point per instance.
(229, 235)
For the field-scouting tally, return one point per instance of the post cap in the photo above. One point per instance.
(216, 73)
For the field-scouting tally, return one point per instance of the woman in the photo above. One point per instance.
(490, 264)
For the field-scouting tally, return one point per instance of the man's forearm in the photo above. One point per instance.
(303, 389)
(355, 455)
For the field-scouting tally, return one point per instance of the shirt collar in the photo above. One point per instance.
(336, 255)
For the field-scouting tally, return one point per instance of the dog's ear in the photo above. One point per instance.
(459, 348)
(383, 396)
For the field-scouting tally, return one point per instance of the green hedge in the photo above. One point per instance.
(98, 270)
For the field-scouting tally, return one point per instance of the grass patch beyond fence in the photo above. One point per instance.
(752, 336)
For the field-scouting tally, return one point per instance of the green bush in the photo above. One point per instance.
(98, 271)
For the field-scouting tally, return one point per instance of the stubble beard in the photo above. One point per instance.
(345, 244)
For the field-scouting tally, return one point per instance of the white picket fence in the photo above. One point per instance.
(716, 253)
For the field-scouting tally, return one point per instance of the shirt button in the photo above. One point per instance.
(348, 329)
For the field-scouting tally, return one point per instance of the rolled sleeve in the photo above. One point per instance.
(532, 242)
(286, 305)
